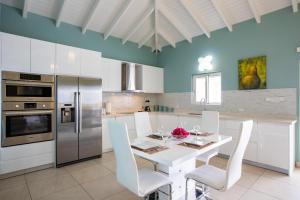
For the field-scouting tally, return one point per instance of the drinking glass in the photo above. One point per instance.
(197, 130)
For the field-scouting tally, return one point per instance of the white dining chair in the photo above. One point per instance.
(210, 124)
(210, 176)
(141, 182)
(142, 124)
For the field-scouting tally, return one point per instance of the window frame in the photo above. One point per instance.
(206, 76)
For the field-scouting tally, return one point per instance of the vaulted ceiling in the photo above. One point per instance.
(154, 23)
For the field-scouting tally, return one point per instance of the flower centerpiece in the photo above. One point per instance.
(180, 133)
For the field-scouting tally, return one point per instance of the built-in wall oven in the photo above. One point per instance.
(28, 108)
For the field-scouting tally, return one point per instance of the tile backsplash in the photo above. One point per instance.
(258, 102)
(128, 102)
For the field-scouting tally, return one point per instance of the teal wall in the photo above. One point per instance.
(43, 28)
(276, 37)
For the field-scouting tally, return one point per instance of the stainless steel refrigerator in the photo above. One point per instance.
(79, 126)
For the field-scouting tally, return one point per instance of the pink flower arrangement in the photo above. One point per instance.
(180, 133)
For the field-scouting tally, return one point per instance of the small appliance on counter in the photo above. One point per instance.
(147, 106)
(108, 108)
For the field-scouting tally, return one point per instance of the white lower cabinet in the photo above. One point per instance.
(106, 143)
(275, 147)
(26, 156)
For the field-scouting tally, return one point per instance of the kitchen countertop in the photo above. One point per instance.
(233, 116)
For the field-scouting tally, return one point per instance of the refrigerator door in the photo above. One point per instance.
(90, 120)
(67, 129)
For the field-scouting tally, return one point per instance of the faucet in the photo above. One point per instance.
(203, 103)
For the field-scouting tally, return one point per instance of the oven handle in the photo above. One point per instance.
(76, 112)
(11, 113)
(27, 83)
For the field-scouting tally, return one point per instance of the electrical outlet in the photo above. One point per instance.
(298, 49)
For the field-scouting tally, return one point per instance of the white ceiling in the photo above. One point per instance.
(154, 23)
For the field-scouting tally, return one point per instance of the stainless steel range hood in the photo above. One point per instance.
(131, 77)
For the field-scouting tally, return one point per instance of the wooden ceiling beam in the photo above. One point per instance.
(195, 16)
(220, 10)
(117, 19)
(167, 37)
(295, 5)
(146, 39)
(90, 16)
(254, 9)
(138, 24)
(175, 22)
(26, 7)
(60, 12)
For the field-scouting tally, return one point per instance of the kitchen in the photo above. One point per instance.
(44, 45)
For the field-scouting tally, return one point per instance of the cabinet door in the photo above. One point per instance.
(42, 57)
(111, 75)
(153, 79)
(67, 60)
(106, 143)
(90, 64)
(274, 144)
(15, 53)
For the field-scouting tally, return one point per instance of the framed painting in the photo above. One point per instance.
(253, 73)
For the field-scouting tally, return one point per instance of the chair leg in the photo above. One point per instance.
(170, 192)
(186, 189)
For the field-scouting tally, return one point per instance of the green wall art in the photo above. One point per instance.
(253, 73)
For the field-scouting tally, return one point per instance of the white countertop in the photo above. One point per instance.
(233, 116)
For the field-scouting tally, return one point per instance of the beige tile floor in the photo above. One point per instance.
(95, 180)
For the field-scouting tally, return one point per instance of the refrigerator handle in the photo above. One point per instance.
(80, 112)
(76, 111)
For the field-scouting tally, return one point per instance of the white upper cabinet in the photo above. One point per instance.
(42, 57)
(67, 60)
(90, 64)
(111, 75)
(152, 79)
(15, 53)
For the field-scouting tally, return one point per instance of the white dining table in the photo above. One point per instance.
(178, 160)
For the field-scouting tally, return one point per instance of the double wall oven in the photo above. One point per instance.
(28, 108)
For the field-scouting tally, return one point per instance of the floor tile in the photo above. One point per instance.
(110, 165)
(75, 193)
(80, 165)
(15, 193)
(108, 156)
(125, 195)
(90, 173)
(277, 189)
(254, 195)
(45, 174)
(294, 179)
(253, 169)
(45, 187)
(234, 193)
(248, 179)
(12, 182)
(103, 188)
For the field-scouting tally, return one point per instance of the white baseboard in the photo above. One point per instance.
(298, 164)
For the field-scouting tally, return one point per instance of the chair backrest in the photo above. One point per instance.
(234, 166)
(142, 124)
(210, 121)
(127, 171)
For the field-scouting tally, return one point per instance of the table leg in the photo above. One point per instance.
(176, 174)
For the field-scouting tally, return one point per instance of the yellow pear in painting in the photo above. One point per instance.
(252, 73)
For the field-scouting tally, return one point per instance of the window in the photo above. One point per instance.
(207, 89)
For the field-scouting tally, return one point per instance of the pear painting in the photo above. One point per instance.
(253, 73)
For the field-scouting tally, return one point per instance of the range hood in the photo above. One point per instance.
(131, 77)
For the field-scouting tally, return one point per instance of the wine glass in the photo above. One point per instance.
(197, 130)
